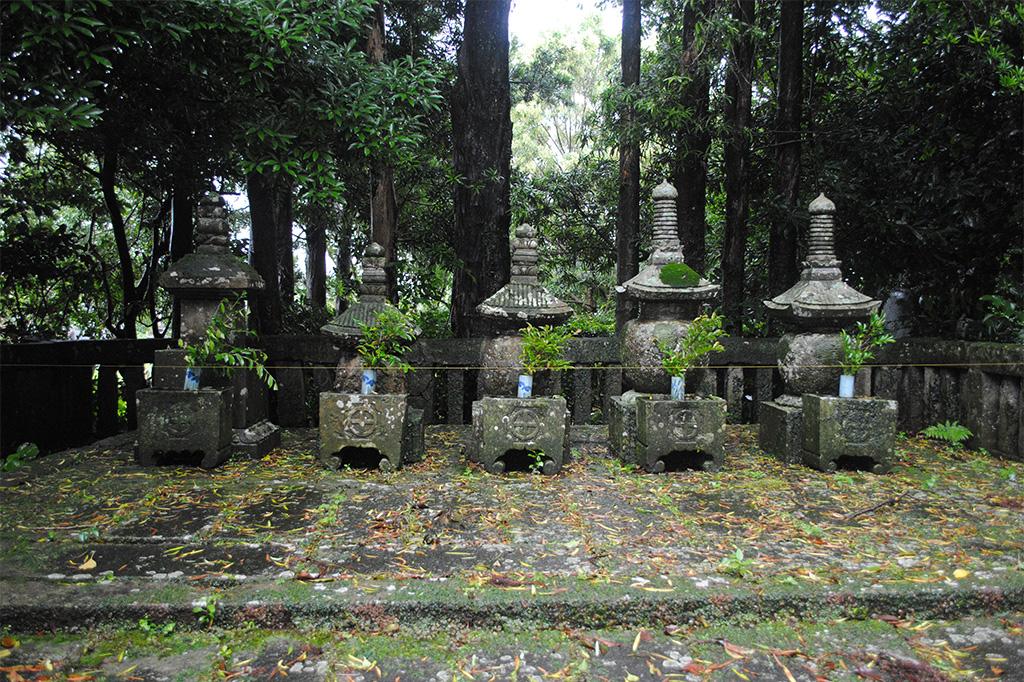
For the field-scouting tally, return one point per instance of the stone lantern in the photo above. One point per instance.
(380, 428)
(217, 419)
(814, 310)
(645, 427)
(505, 426)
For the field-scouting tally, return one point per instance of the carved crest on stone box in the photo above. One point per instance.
(361, 422)
(684, 425)
(524, 424)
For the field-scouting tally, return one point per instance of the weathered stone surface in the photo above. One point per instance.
(622, 426)
(809, 362)
(667, 428)
(849, 432)
(515, 426)
(372, 299)
(348, 377)
(256, 440)
(781, 433)
(641, 359)
(381, 422)
(179, 421)
(500, 355)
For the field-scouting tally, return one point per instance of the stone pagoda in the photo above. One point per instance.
(666, 309)
(814, 310)
(506, 427)
(228, 413)
(381, 428)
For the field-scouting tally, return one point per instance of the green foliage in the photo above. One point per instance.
(218, 350)
(206, 613)
(703, 337)
(1004, 318)
(600, 323)
(385, 340)
(537, 458)
(858, 348)
(951, 432)
(150, 628)
(544, 348)
(21, 456)
(735, 564)
(679, 275)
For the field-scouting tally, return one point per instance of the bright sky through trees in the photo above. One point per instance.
(530, 20)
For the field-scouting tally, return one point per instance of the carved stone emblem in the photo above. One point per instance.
(361, 422)
(178, 423)
(524, 424)
(684, 425)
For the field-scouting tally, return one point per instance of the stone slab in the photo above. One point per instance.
(781, 432)
(257, 440)
(850, 429)
(354, 421)
(179, 421)
(622, 427)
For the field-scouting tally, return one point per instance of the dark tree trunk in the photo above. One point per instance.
(782, 244)
(482, 134)
(108, 186)
(691, 168)
(283, 218)
(318, 219)
(383, 206)
(343, 264)
(737, 164)
(182, 235)
(627, 227)
(264, 250)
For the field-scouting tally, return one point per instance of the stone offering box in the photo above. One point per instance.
(855, 433)
(382, 426)
(507, 428)
(655, 432)
(179, 422)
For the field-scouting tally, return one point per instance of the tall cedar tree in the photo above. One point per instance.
(691, 165)
(383, 205)
(265, 212)
(317, 221)
(737, 164)
(482, 135)
(627, 251)
(782, 244)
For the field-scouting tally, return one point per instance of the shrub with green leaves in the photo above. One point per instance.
(218, 350)
(544, 348)
(951, 432)
(22, 455)
(859, 348)
(385, 340)
(703, 337)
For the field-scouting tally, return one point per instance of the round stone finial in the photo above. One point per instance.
(822, 205)
(526, 231)
(374, 249)
(665, 191)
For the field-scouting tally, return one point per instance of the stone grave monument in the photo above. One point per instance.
(646, 427)
(814, 310)
(229, 413)
(505, 427)
(381, 426)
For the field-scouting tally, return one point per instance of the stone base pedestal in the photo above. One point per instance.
(849, 432)
(504, 426)
(781, 432)
(178, 422)
(645, 429)
(381, 422)
(257, 440)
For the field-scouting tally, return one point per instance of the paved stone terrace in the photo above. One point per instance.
(305, 559)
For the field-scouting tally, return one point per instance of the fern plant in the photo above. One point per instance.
(384, 341)
(858, 349)
(951, 432)
(217, 349)
(702, 338)
(544, 348)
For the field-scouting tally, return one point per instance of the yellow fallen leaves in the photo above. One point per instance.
(960, 573)
(88, 564)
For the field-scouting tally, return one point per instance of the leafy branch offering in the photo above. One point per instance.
(544, 348)
(217, 348)
(701, 339)
(384, 342)
(858, 348)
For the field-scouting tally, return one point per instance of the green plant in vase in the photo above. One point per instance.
(383, 343)
(703, 337)
(217, 351)
(543, 349)
(858, 349)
